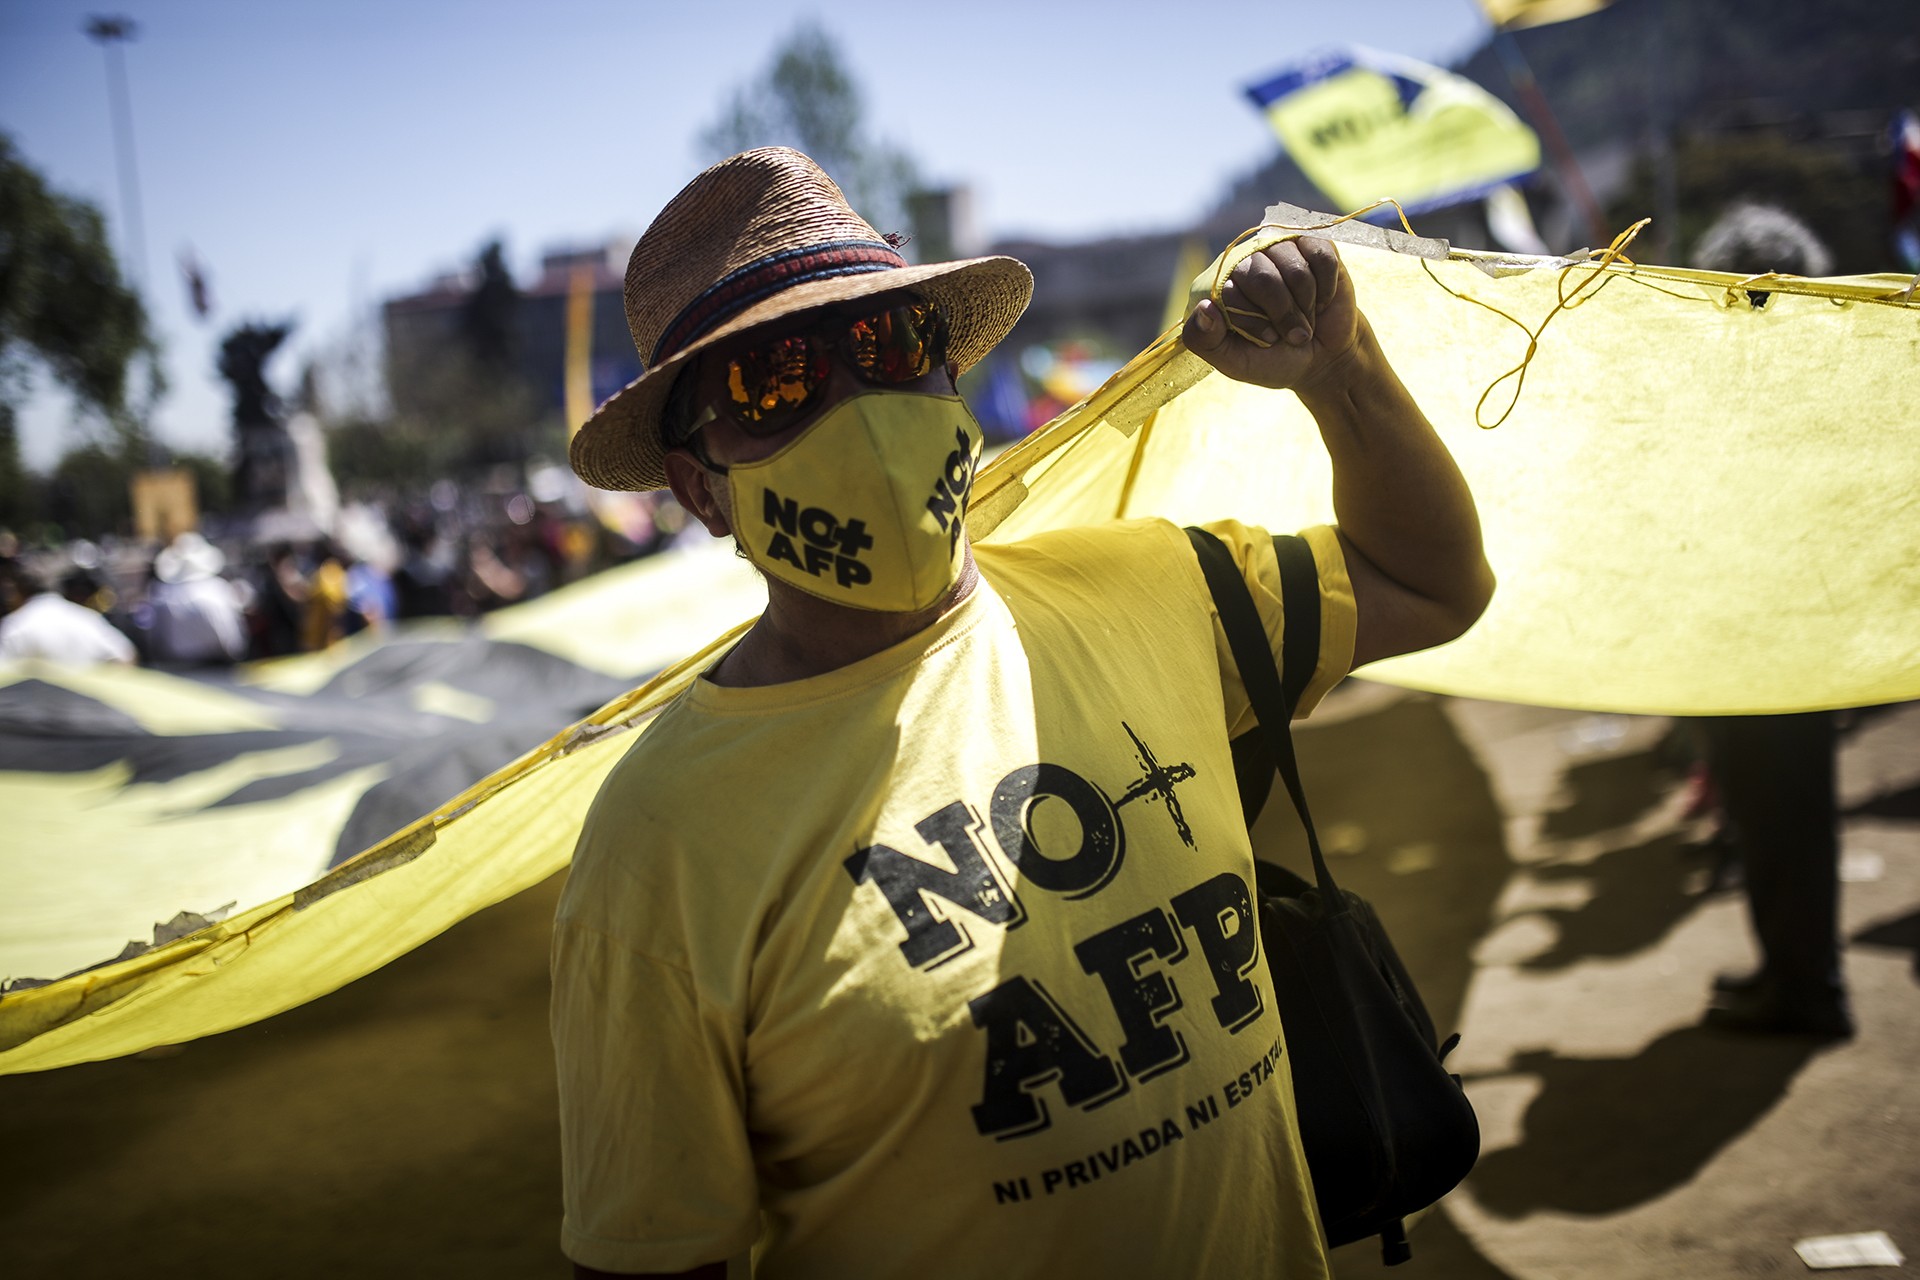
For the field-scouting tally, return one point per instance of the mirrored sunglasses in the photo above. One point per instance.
(771, 385)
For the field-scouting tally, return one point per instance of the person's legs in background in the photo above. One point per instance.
(1775, 777)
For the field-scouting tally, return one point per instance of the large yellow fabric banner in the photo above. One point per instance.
(1701, 502)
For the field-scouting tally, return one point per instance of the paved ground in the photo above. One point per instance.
(1536, 873)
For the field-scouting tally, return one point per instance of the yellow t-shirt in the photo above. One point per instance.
(326, 603)
(945, 963)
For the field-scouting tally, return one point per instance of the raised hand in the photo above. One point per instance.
(1302, 306)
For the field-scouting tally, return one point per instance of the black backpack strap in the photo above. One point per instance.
(1253, 760)
(1394, 1248)
(1253, 655)
(1300, 598)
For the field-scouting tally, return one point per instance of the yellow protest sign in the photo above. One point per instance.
(1363, 124)
(1514, 14)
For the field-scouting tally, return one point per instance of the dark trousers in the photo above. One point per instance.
(1775, 775)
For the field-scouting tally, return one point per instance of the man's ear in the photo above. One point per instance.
(693, 486)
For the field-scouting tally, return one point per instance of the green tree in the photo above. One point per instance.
(370, 455)
(807, 99)
(212, 481)
(91, 490)
(19, 494)
(63, 305)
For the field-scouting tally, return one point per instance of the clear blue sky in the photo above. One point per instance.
(319, 157)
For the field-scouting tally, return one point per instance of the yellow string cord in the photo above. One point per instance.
(1220, 272)
(1632, 276)
(1598, 268)
(1583, 292)
(1589, 287)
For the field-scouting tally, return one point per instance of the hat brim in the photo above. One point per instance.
(619, 447)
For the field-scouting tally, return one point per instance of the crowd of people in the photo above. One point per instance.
(229, 595)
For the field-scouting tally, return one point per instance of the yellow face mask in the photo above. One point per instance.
(864, 508)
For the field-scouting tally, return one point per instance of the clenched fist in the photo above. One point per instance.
(1294, 296)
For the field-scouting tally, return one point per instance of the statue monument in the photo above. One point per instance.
(281, 482)
(263, 453)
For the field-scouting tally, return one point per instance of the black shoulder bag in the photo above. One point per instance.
(1386, 1130)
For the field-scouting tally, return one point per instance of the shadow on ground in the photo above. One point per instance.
(1606, 794)
(1640, 894)
(1904, 803)
(1607, 1134)
(1440, 1249)
(1401, 790)
(1430, 854)
(1900, 934)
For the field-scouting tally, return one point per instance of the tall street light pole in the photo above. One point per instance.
(110, 33)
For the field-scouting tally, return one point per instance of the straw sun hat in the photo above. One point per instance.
(758, 237)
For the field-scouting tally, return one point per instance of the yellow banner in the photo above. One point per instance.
(1363, 125)
(1701, 503)
(1514, 14)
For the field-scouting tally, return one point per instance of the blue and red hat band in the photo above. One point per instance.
(740, 289)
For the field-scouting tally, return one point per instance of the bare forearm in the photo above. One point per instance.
(1400, 501)
(1407, 525)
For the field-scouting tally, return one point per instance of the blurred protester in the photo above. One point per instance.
(489, 582)
(1773, 776)
(48, 625)
(559, 542)
(78, 586)
(86, 583)
(423, 582)
(325, 622)
(195, 615)
(642, 528)
(13, 590)
(12, 594)
(1903, 145)
(528, 556)
(280, 604)
(574, 545)
(371, 604)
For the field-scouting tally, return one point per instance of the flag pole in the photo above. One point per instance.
(110, 33)
(578, 386)
(1520, 75)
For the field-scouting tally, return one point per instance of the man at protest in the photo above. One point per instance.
(1775, 777)
(54, 628)
(917, 936)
